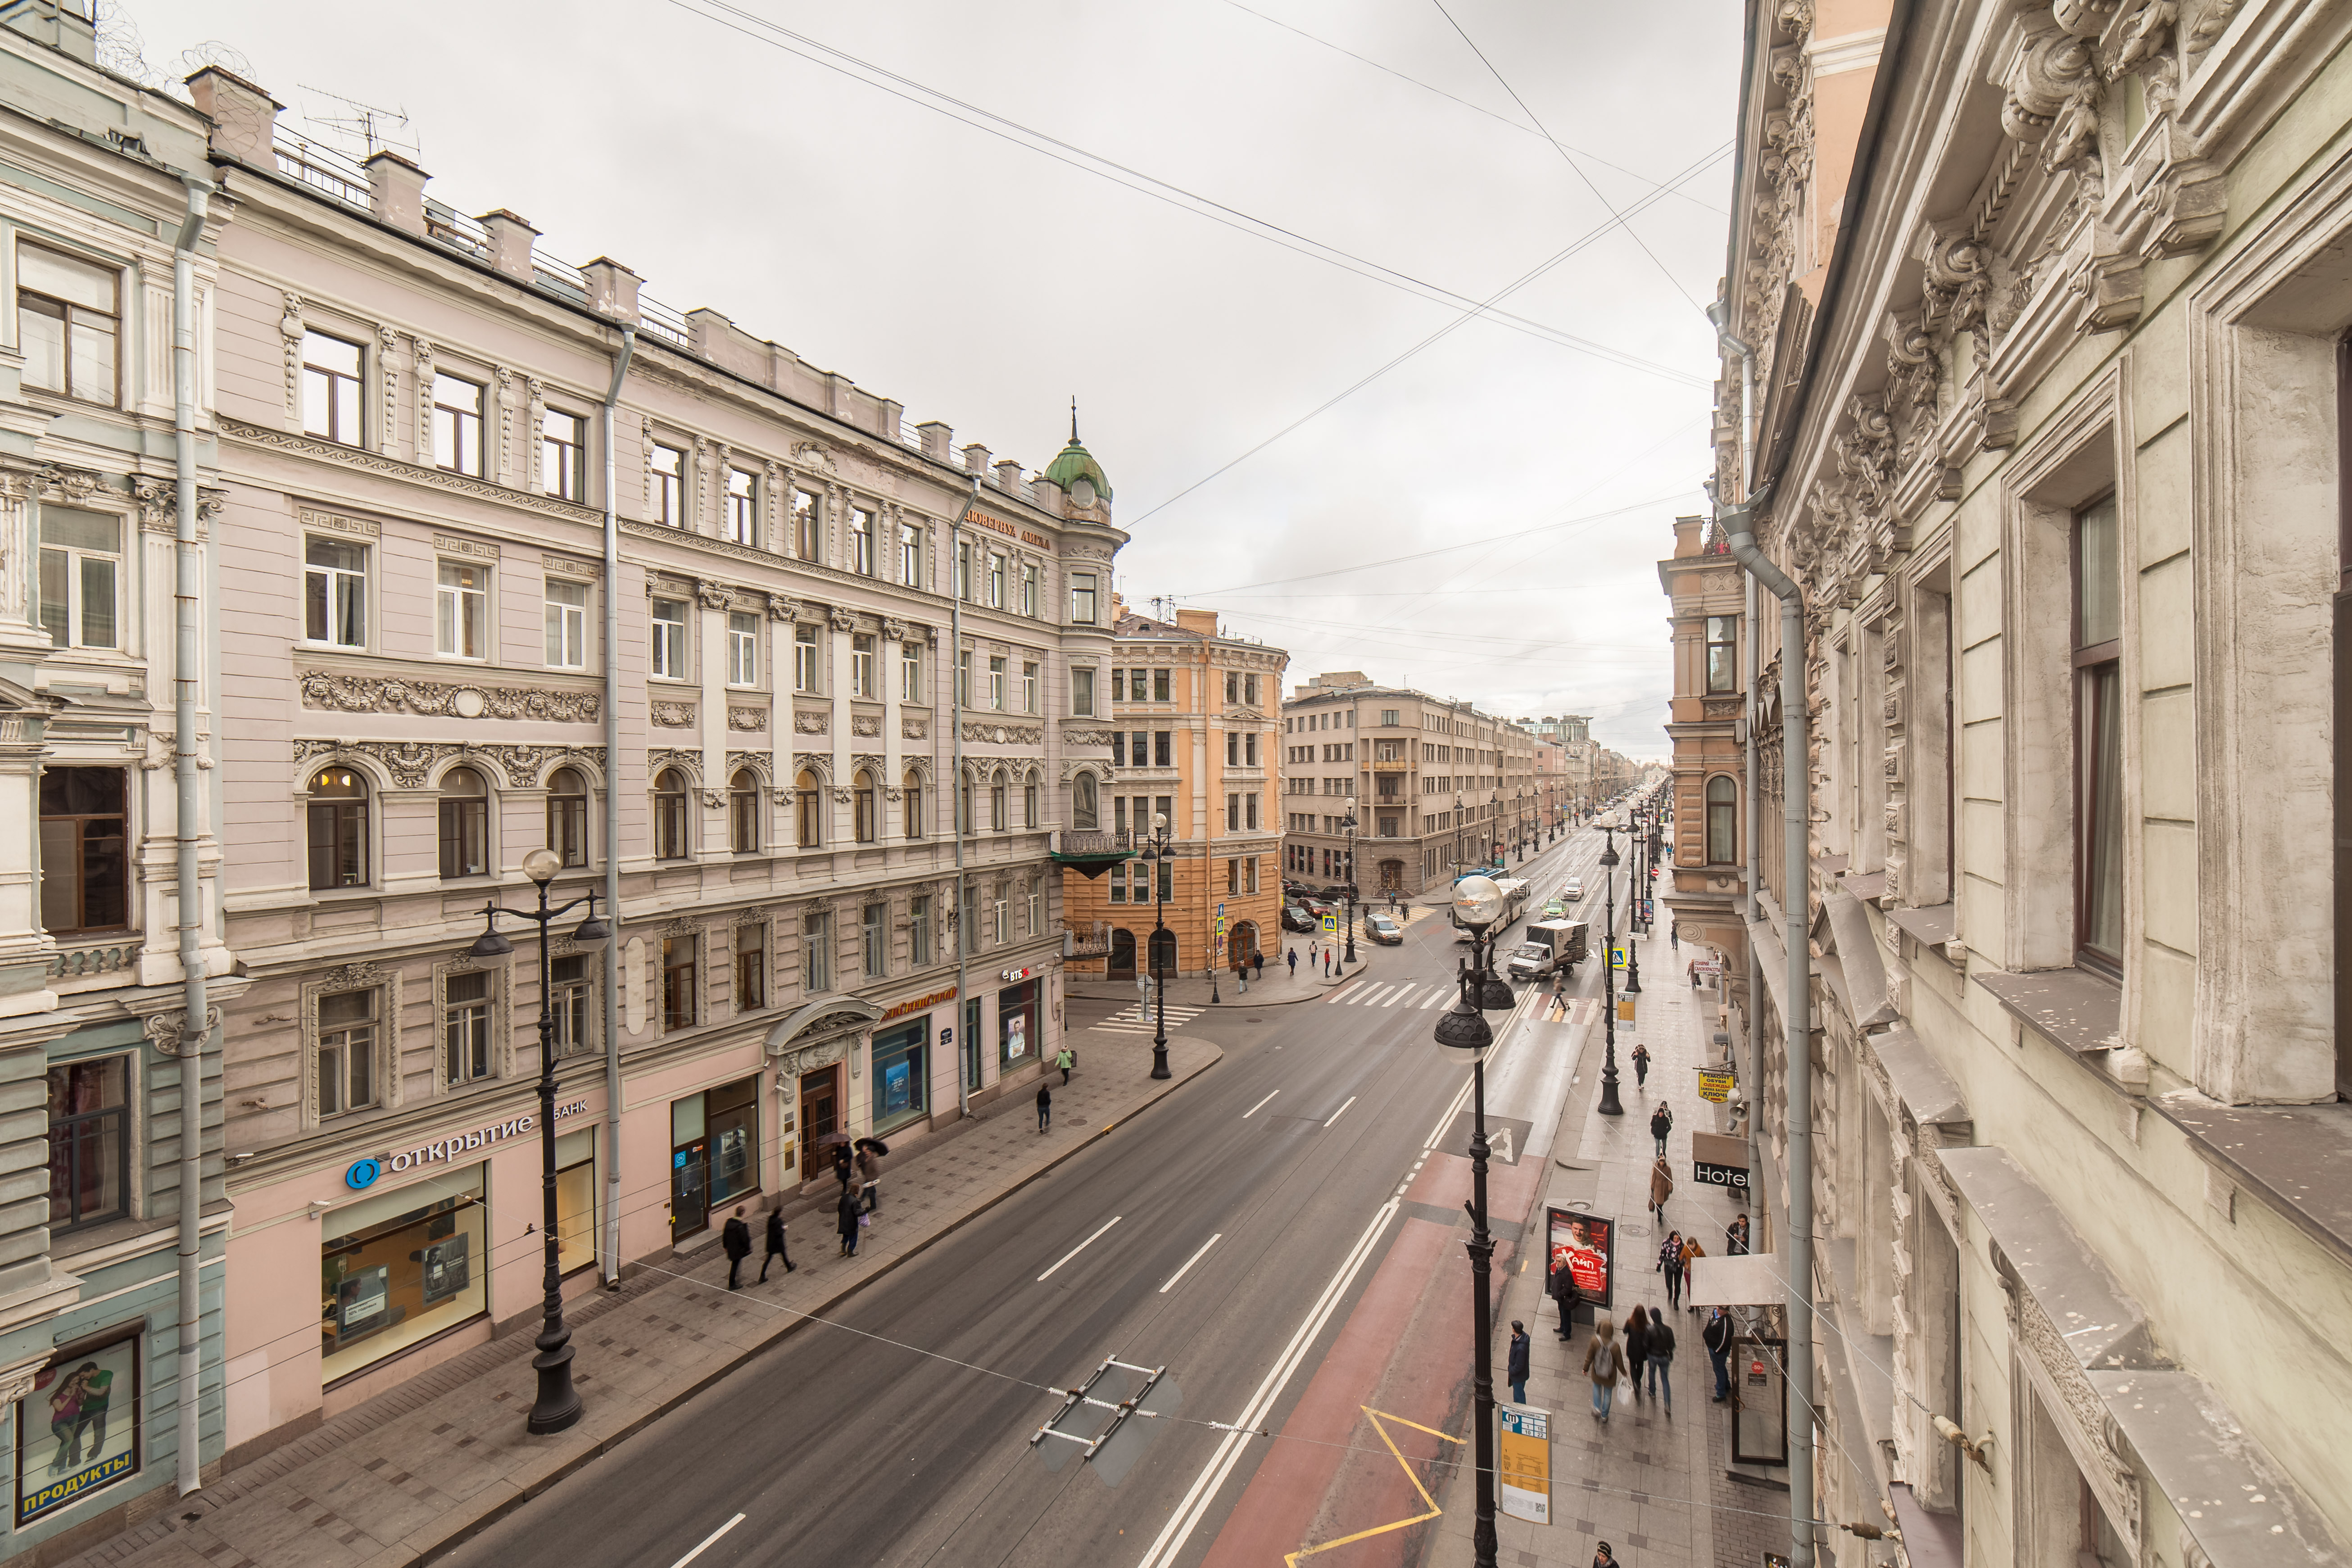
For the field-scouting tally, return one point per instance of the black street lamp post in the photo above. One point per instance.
(558, 1404)
(1477, 904)
(1348, 821)
(1609, 1104)
(1155, 852)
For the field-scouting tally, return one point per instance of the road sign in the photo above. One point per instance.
(1617, 958)
(1330, 925)
(1221, 908)
(1522, 1462)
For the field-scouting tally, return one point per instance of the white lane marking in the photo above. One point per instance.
(1253, 1109)
(1400, 995)
(1339, 995)
(708, 1541)
(1341, 1112)
(1433, 999)
(1370, 995)
(1188, 1262)
(1181, 1524)
(1080, 1247)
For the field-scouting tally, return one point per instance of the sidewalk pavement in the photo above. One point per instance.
(417, 1469)
(1644, 1483)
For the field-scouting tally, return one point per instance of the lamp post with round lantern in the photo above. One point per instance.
(1609, 1104)
(558, 1404)
(1156, 851)
(1477, 905)
(1348, 821)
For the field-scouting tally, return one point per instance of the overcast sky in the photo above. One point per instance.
(980, 281)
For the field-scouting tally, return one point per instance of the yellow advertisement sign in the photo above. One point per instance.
(1624, 1009)
(1715, 1084)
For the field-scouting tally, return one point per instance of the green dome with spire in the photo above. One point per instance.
(1073, 462)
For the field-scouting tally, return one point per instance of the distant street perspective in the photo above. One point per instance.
(1427, 784)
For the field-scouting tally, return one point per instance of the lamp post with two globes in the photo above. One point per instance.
(1609, 1104)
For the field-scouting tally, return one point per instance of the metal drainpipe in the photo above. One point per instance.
(612, 1248)
(1752, 1080)
(1797, 809)
(187, 681)
(958, 576)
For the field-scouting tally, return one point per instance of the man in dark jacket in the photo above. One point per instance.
(737, 1240)
(844, 1221)
(1734, 1237)
(1517, 1373)
(1662, 1354)
(1717, 1336)
(775, 1246)
(1661, 1122)
(1562, 1290)
(1045, 1106)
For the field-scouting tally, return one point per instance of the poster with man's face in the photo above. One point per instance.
(79, 1429)
(1581, 1243)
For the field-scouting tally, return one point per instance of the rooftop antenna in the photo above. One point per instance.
(372, 126)
(1073, 419)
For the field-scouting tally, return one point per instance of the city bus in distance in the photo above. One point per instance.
(1515, 893)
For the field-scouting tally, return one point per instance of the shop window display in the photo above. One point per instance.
(900, 1062)
(77, 1430)
(402, 1268)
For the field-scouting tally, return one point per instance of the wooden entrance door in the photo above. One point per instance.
(1123, 954)
(820, 1114)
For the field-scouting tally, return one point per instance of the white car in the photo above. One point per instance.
(1574, 891)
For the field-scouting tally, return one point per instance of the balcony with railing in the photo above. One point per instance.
(1090, 851)
(1089, 939)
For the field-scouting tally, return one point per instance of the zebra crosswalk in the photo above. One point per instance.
(1136, 1018)
(1377, 994)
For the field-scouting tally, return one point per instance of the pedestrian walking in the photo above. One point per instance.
(1674, 938)
(1662, 1356)
(1692, 1253)
(1640, 1065)
(869, 1173)
(1693, 974)
(1717, 1336)
(1294, 963)
(1734, 1237)
(1044, 1106)
(1670, 1263)
(1634, 1335)
(775, 1246)
(1602, 1559)
(736, 1238)
(1662, 1187)
(1562, 1290)
(844, 1164)
(1603, 1364)
(1067, 1059)
(844, 1221)
(1516, 1375)
(1258, 965)
(1661, 1122)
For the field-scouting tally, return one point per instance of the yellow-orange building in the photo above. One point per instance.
(1196, 715)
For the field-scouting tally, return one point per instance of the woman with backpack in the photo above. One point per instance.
(1604, 1363)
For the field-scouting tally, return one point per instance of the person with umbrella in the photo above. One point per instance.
(869, 1170)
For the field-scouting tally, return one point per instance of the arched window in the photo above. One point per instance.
(669, 815)
(567, 815)
(808, 798)
(1029, 800)
(1084, 811)
(1722, 821)
(913, 791)
(339, 829)
(743, 812)
(465, 824)
(997, 820)
(863, 794)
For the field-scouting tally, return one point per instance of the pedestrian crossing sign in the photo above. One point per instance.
(1330, 925)
(1617, 958)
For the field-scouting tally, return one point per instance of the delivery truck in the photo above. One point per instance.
(1546, 948)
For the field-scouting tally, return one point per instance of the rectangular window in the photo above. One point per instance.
(1029, 588)
(1028, 687)
(807, 669)
(457, 425)
(1163, 748)
(669, 639)
(465, 1027)
(567, 624)
(1249, 750)
(861, 542)
(563, 455)
(1082, 691)
(807, 540)
(919, 930)
(1249, 811)
(1233, 813)
(995, 582)
(1140, 753)
(1722, 653)
(963, 572)
(1233, 751)
(963, 679)
(330, 388)
(68, 319)
(461, 612)
(1118, 686)
(569, 997)
(910, 672)
(996, 683)
(816, 960)
(910, 555)
(743, 649)
(861, 665)
(81, 574)
(334, 593)
(743, 507)
(85, 864)
(346, 1049)
(1082, 599)
(669, 486)
(677, 983)
(874, 939)
(2099, 737)
(1233, 687)
(89, 1145)
(1160, 686)
(750, 968)
(1035, 908)
(1388, 716)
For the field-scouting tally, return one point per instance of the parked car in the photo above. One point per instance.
(1298, 917)
(1382, 929)
(1575, 890)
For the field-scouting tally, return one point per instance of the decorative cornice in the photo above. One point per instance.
(411, 762)
(395, 694)
(378, 463)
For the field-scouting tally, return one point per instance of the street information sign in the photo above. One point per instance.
(1330, 925)
(1523, 1463)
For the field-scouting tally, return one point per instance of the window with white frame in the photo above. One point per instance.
(874, 939)
(742, 648)
(816, 957)
(668, 466)
(1082, 691)
(563, 455)
(346, 1047)
(461, 611)
(68, 321)
(919, 930)
(567, 624)
(1029, 588)
(569, 998)
(330, 389)
(81, 577)
(1082, 599)
(861, 665)
(910, 555)
(808, 541)
(457, 425)
(1028, 686)
(669, 639)
(995, 580)
(743, 507)
(807, 665)
(996, 682)
(466, 1026)
(963, 571)
(861, 541)
(334, 593)
(910, 672)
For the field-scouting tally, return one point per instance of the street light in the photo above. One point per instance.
(558, 1404)
(1495, 832)
(1519, 822)
(1477, 904)
(1610, 1105)
(1348, 821)
(1155, 850)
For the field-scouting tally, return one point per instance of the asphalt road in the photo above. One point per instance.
(897, 1435)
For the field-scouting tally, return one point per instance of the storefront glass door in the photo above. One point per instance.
(820, 1114)
(689, 1167)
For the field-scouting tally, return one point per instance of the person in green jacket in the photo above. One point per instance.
(1067, 1059)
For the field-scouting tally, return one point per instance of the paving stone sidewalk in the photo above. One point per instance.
(1644, 1483)
(422, 1466)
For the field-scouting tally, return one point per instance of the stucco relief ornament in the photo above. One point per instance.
(813, 455)
(672, 715)
(714, 799)
(747, 718)
(895, 629)
(713, 595)
(866, 724)
(841, 794)
(843, 618)
(811, 725)
(914, 729)
(369, 694)
(781, 608)
(290, 329)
